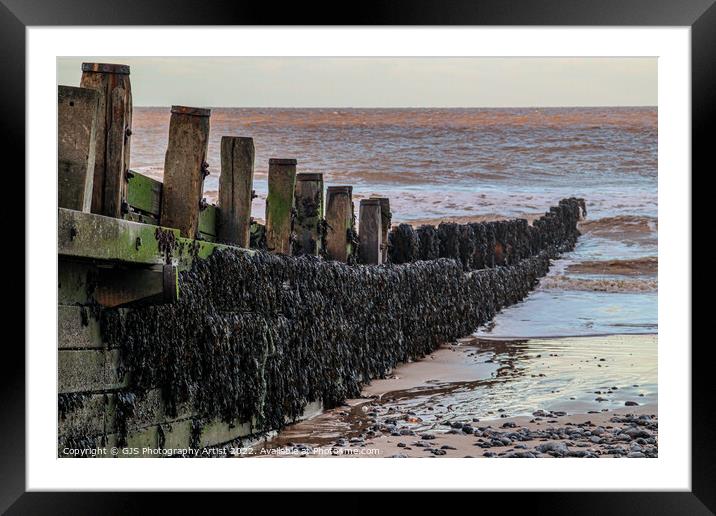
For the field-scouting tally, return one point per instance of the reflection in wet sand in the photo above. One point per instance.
(562, 376)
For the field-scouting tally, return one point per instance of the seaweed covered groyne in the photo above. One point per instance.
(256, 337)
(184, 325)
(478, 245)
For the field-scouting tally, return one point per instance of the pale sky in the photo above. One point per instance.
(382, 82)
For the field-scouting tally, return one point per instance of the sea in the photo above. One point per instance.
(479, 164)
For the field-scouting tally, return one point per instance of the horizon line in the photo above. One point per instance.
(408, 107)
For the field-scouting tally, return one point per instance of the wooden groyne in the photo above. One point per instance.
(184, 325)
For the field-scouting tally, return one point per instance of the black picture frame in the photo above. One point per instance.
(16, 15)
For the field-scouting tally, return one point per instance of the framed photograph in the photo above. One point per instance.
(262, 247)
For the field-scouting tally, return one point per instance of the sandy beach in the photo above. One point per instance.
(497, 398)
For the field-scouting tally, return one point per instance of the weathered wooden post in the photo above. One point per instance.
(369, 234)
(235, 189)
(309, 212)
(76, 126)
(386, 219)
(280, 205)
(185, 168)
(113, 131)
(339, 221)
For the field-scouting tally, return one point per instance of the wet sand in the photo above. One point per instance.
(564, 397)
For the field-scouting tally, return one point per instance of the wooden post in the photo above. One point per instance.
(184, 169)
(76, 127)
(235, 189)
(386, 219)
(114, 128)
(280, 205)
(309, 212)
(339, 220)
(370, 229)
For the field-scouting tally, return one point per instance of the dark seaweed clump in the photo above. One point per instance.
(478, 245)
(68, 402)
(258, 336)
(403, 244)
(262, 335)
(428, 244)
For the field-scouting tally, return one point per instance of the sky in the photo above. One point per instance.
(365, 82)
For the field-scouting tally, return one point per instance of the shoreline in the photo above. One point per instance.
(416, 410)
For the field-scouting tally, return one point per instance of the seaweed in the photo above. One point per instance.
(69, 402)
(479, 245)
(256, 337)
(402, 244)
(125, 407)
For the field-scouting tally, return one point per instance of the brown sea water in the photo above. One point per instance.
(480, 164)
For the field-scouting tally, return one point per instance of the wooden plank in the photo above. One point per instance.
(236, 189)
(143, 428)
(115, 180)
(144, 194)
(138, 440)
(76, 136)
(208, 221)
(77, 328)
(339, 219)
(184, 169)
(218, 432)
(72, 282)
(280, 205)
(88, 370)
(94, 236)
(111, 158)
(89, 236)
(135, 285)
(86, 416)
(371, 224)
(309, 213)
(141, 218)
(177, 434)
(148, 410)
(387, 219)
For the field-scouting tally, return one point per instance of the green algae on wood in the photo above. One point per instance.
(207, 222)
(280, 205)
(144, 194)
(89, 236)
